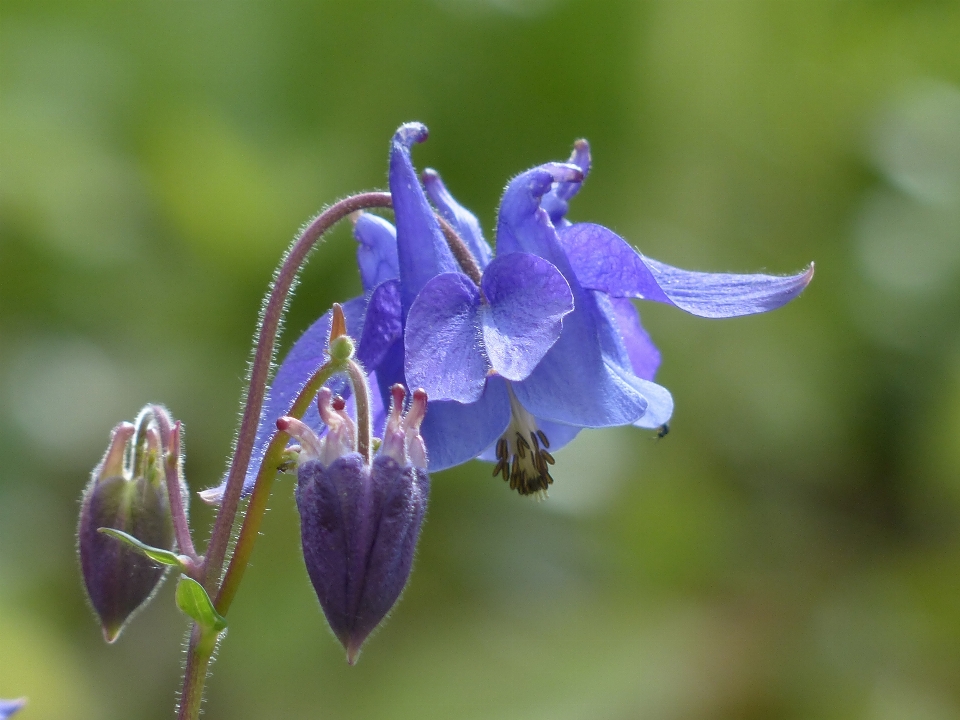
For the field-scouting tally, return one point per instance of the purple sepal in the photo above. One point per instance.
(9, 707)
(376, 250)
(462, 220)
(604, 261)
(359, 527)
(421, 248)
(117, 578)
(642, 354)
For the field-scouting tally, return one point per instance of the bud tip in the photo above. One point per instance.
(353, 652)
(338, 325)
(111, 633)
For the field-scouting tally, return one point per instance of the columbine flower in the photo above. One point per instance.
(359, 520)
(513, 373)
(598, 373)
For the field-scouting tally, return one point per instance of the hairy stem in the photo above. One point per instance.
(199, 654)
(260, 370)
(250, 530)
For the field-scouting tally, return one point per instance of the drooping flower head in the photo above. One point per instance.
(519, 349)
(598, 372)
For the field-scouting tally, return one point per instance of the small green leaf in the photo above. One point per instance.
(194, 601)
(164, 557)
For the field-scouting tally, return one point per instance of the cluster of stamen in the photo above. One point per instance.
(524, 464)
(401, 441)
(341, 435)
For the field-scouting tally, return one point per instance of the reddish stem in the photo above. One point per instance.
(260, 370)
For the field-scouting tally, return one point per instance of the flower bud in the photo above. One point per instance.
(359, 520)
(127, 492)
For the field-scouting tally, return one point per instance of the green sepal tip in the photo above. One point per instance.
(193, 600)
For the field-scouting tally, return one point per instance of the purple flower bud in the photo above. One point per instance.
(359, 521)
(126, 492)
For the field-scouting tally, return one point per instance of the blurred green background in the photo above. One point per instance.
(791, 550)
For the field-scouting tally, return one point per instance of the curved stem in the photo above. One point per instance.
(250, 530)
(260, 370)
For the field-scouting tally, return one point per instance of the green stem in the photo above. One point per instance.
(202, 645)
(272, 459)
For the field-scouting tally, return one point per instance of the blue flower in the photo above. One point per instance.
(599, 371)
(546, 343)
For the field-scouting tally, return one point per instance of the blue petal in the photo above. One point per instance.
(9, 707)
(455, 433)
(618, 355)
(462, 220)
(527, 298)
(421, 247)
(575, 384)
(643, 354)
(522, 225)
(382, 324)
(443, 341)
(377, 250)
(572, 384)
(623, 338)
(659, 401)
(555, 201)
(605, 261)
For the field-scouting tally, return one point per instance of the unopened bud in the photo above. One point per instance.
(127, 492)
(359, 522)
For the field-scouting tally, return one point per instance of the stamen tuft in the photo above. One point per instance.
(523, 463)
